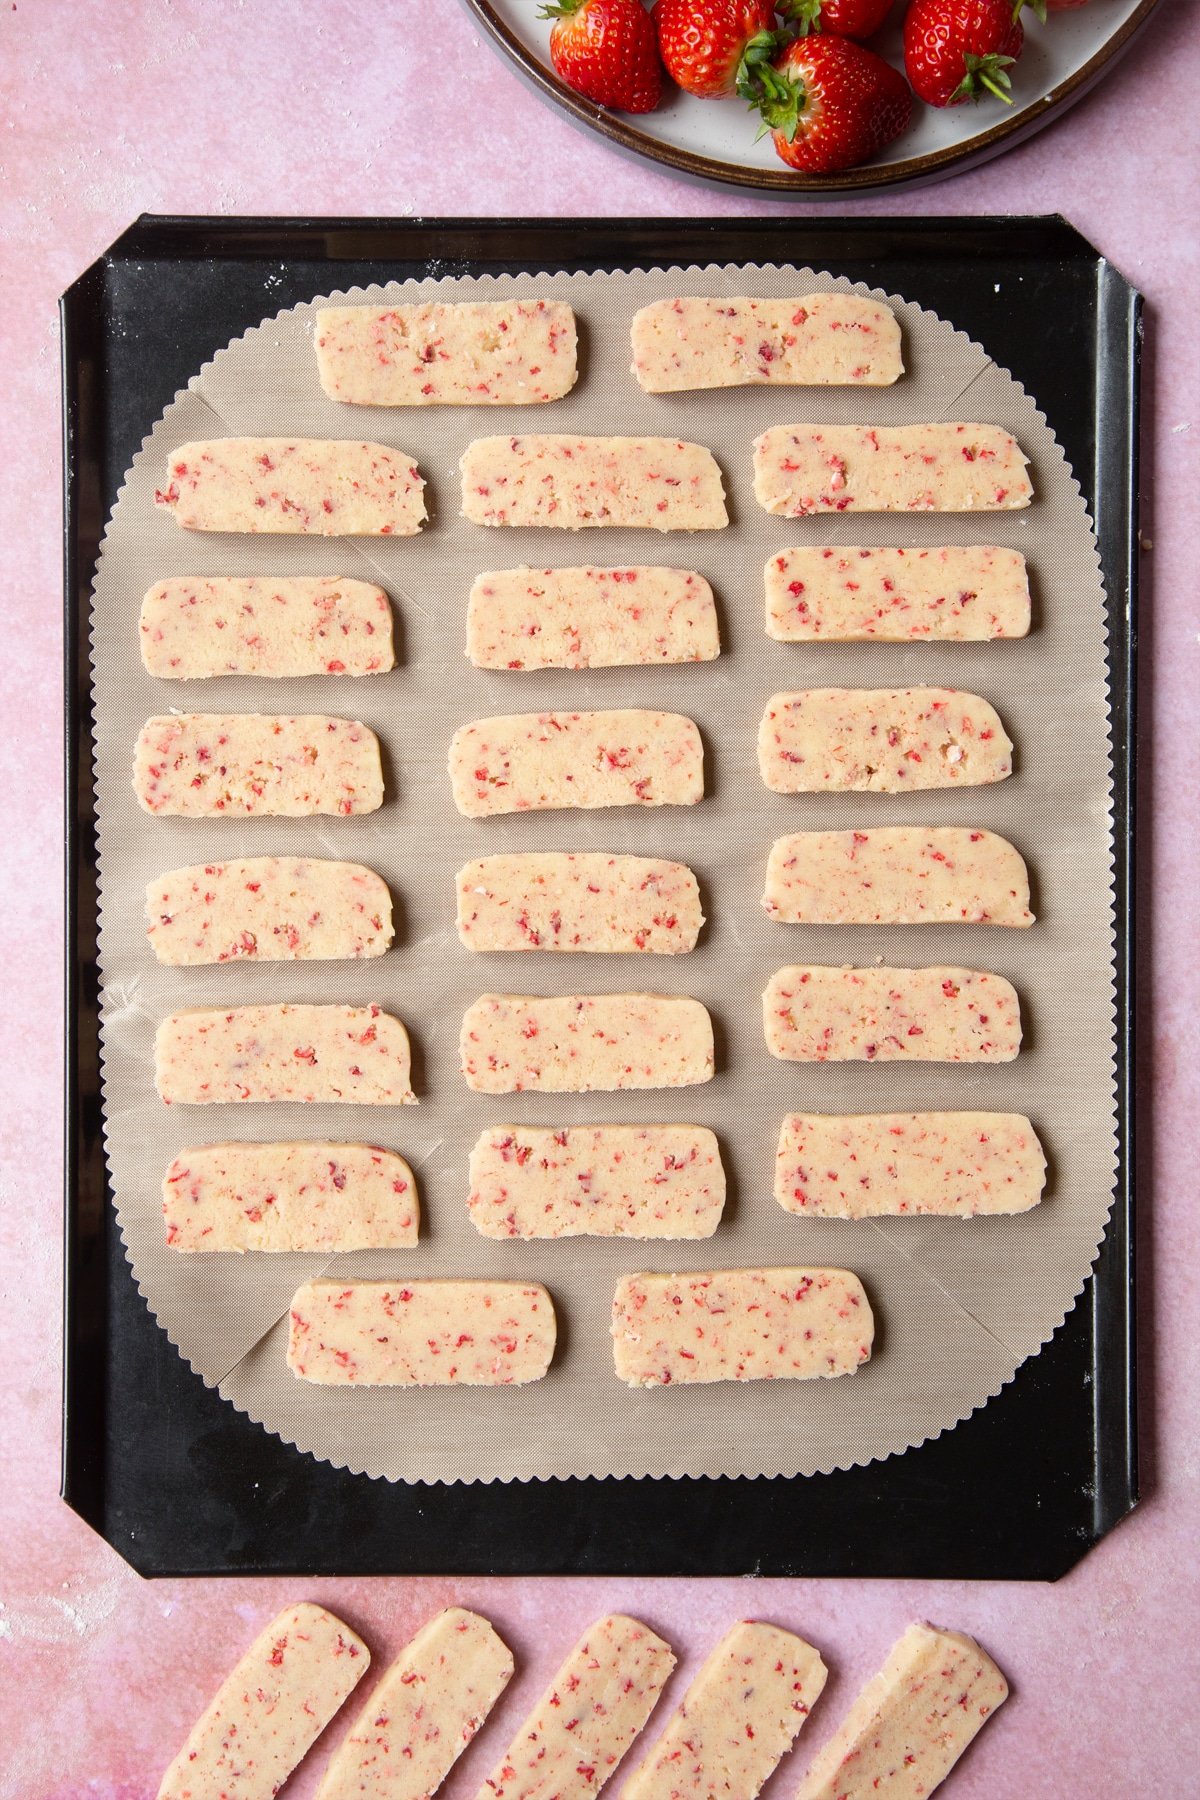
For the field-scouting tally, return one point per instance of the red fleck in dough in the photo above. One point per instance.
(590, 618)
(803, 469)
(818, 340)
(269, 1709)
(912, 1721)
(268, 909)
(580, 1043)
(554, 900)
(634, 1181)
(841, 594)
(424, 1712)
(355, 1054)
(201, 765)
(739, 1325)
(740, 1716)
(327, 488)
(434, 353)
(660, 484)
(593, 1709)
(193, 627)
(524, 762)
(818, 1014)
(900, 1165)
(897, 875)
(421, 1333)
(880, 740)
(301, 1196)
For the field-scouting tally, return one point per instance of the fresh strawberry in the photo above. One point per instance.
(829, 103)
(607, 51)
(844, 18)
(713, 47)
(955, 49)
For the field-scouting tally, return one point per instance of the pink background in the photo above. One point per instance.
(290, 106)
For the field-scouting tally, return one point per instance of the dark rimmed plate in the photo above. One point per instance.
(167, 1471)
(713, 141)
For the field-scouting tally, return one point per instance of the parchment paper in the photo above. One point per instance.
(959, 1304)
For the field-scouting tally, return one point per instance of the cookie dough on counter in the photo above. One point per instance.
(423, 1713)
(270, 1709)
(912, 1721)
(740, 1716)
(593, 1709)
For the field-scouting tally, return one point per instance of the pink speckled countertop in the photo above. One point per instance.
(332, 106)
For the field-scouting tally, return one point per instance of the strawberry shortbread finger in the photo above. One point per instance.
(464, 353)
(817, 341)
(880, 740)
(193, 627)
(552, 900)
(355, 1054)
(421, 1333)
(635, 1181)
(901, 1165)
(581, 1043)
(802, 469)
(326, 487)
(819, 1014)
(897, 875)
(526, 762)
(840, 594)
(301, 1196)
(201, 765)
(590, 618)
(657, 483)
(268, 909)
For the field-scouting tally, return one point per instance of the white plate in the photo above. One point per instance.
(713, 140)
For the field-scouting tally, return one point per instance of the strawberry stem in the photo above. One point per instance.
(990, 72)
(805, 14)
(755, 76)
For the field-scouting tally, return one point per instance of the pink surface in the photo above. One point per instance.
(294, 107)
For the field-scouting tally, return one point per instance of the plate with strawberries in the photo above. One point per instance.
(814, 96)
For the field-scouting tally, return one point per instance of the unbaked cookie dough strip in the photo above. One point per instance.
(897, 875)
(817, 340)
(438, 353)
(881, 741)
(556, 900)
(803, 469)
(290, 1196)
(593, 1709)
(421, 1333)
(740, 1716)
(821, 1014)
(631, 1181)
(531, 762)
(843, 594)
(912, 1721)
(355, 1054)
(740, 1325)
(270, 1709)
(268, 909)
(659, 484)
(956, 1165)
(195, 626)
(585, 1043)
(296, 486)
(424, 1712)
(203, 765)
(589, 618)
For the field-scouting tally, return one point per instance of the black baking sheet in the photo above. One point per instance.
(169, 1473)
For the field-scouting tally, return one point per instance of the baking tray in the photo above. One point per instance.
(168, 1472)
